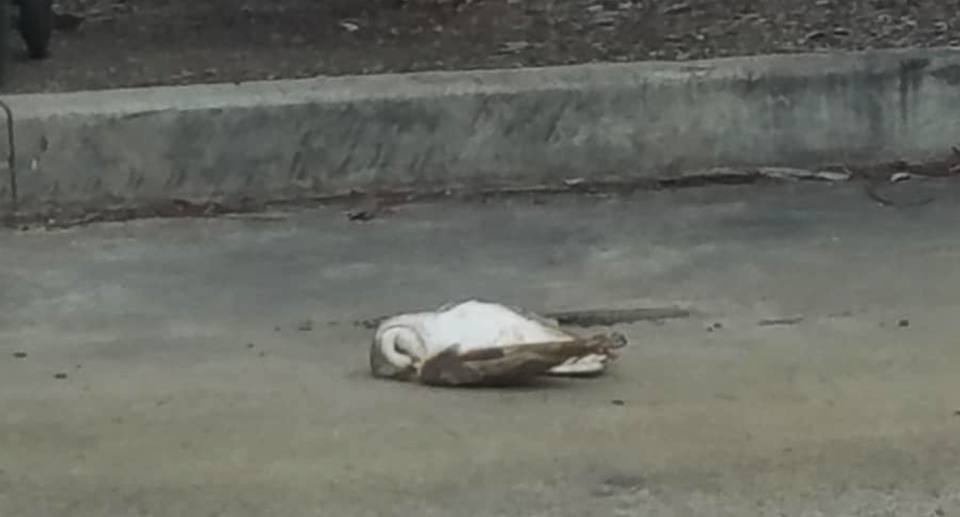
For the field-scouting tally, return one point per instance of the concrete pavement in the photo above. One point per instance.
(212, 367)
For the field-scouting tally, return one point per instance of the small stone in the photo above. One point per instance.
(250, 345)
(677, 8)
(349, 26)
(832, 175)
(789, 173)
(64, 22)
(904, 323)
(20, 355)
(366, 209)
(60, 376)
(513, 46)
(305, 326)
(622, 483)
(618, 402)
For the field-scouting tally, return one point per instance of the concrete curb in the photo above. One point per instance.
(290, 139)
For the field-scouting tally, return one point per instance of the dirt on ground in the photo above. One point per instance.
(120, 43)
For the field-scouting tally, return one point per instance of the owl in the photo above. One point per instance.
(477, 342)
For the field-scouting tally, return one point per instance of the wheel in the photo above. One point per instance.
(5, 55)
(36, 26)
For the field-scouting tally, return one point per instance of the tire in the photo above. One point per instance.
(6, 13)
(36, 26)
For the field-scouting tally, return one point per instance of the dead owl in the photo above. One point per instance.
(477, 342)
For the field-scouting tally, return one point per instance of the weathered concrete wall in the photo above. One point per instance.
(325, 135)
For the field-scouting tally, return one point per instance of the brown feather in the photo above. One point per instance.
(511, 363)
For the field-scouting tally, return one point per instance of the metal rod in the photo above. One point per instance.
(11, 159)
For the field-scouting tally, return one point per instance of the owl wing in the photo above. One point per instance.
(511, 363)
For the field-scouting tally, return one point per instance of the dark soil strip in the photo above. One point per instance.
(122, 43)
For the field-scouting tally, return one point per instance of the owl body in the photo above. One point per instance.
(481, 340)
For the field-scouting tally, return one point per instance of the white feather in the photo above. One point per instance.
(410, 339)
